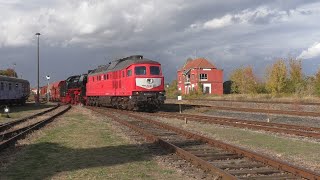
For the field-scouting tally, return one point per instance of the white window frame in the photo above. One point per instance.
(203, 77)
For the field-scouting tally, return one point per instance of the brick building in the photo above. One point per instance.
(200, 71)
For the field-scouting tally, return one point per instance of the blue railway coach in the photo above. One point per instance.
(13, 90)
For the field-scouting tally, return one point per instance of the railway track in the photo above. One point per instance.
(12, 131)
(218, 158)
(8, 125)
(253, 101)
(305, 131)
(265, 111)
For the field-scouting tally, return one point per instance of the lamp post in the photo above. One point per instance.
(48, 78)
(38, 34)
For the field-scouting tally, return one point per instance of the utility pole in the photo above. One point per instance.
(48, 97)
(37, 101)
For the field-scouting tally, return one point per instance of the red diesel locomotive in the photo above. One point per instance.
(132, 83)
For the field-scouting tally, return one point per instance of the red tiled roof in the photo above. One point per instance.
(198, 63)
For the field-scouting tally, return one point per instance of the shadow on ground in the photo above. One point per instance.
(44, 160)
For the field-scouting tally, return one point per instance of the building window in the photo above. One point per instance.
(129, 72)
(203, 77)
(188, 78)
(192, 76)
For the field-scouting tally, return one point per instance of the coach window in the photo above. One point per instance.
(154, 70)
(140, 70)
(9, 86)
(122, 73)
(2, 86)
(92, 79)
(17, 86)
(105, 77)
(129, 72)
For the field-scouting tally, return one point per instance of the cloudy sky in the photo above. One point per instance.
(77, 35)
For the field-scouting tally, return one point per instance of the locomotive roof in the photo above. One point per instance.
(122, 63)
(12, 79)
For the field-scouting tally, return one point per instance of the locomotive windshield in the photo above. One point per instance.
(140, 70)
(154, 70)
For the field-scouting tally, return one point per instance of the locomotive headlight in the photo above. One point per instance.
(162, 92)
(135, 93)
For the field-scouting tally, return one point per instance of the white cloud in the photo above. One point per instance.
(68, 22)
(248, 16)
(311, 52)
(219, 22)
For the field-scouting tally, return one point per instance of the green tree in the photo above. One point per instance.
(277, 77)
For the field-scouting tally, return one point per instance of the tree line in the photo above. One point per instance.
(280, 78)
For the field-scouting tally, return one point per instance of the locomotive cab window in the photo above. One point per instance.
(154, 70)
(140, 70)
(129, 72)
(76, 79)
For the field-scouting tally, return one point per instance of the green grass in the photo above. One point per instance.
(83, 148)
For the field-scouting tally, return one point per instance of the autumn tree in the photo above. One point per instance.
(310, 85)
(276, 77)
(200, 88)
(8, 72)
(295, 82)
(317, 83)
(243, 80)
(172, 90)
